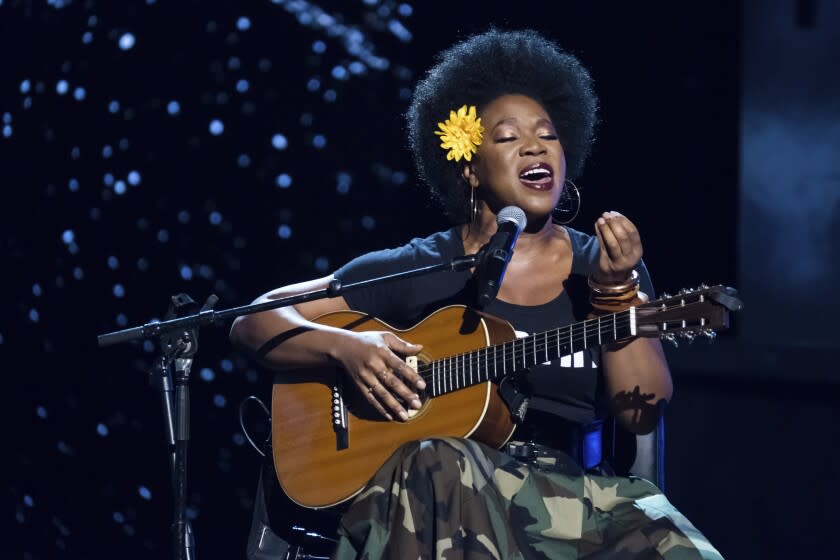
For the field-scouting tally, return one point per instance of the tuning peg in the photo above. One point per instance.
(709, 334)
(669, 337)
(703, 286)
(666, 295)
(689, 336)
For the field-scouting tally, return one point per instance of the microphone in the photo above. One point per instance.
(496, 254)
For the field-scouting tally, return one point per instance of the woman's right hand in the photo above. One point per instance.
(371, 359)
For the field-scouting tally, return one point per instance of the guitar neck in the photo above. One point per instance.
(493, 362)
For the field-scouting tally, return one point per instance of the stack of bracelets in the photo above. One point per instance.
(612, 298)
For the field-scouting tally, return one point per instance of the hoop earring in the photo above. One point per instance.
(473, 205)
(569, 205)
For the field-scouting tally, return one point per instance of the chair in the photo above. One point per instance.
(311, 535)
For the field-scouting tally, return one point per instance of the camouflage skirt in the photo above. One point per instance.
(458, 499)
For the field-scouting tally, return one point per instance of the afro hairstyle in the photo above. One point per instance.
(482, 68)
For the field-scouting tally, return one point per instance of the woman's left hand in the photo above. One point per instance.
(621, 248)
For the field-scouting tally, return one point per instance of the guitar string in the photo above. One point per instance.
(529, 351)
(540, 345)
(623, 318)
(459, 365)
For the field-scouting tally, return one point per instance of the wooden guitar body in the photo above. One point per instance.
(311, 466)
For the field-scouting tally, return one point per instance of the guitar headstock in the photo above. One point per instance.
(691, 313)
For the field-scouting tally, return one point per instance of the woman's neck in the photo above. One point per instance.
(478, 232)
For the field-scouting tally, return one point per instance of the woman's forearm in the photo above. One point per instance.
(638, 383)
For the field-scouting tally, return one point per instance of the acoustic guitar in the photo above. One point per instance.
(328, 440)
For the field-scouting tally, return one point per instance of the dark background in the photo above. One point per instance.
(113, 200)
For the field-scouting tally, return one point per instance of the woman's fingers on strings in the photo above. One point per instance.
(400, 378)
(388, 400)
(407, 349)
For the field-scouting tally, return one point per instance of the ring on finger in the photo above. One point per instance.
(372, 387)
(384, 375)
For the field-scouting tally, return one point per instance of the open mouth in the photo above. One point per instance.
(537, 176)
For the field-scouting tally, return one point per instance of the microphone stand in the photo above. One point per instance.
(178, 339)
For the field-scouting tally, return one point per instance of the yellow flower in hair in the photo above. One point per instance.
(461, 134)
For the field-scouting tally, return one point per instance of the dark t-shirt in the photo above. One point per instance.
(571, 387)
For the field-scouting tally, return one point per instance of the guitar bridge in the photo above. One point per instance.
(339, 419)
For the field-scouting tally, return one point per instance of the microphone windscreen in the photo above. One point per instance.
(512, 214)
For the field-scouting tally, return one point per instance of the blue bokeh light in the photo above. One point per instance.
(284, 180)
(61, 87)
(279, 141)
(243, 24)
(368, 222)
(173, 107)
(284, 231)
(127, 41)
(133, 178)
(216, 127)
(343, 182)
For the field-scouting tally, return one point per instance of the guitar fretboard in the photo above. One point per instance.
(493, 362)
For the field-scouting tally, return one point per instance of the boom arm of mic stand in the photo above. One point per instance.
(335, 289)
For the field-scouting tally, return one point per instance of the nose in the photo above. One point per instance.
(532, 146)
